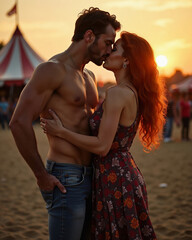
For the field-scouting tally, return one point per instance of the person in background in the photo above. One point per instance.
(185, 110)
(171, 117)
(137, 101)
(4, 113)
(13, 106)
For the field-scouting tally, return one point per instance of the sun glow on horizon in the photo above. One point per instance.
(161, 61)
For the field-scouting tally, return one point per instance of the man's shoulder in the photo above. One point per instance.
(50, 67)
(49, 70)
(47, 75)
(89, 73)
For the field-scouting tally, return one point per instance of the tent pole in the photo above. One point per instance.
(17, 14)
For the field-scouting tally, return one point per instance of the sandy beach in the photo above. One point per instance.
(22, 209)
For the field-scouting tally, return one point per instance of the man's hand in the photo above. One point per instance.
(48, 182)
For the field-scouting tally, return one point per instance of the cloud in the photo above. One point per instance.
(174, 44)
(163, 22)
(150, 5)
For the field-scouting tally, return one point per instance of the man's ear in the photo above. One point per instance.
(89, 36)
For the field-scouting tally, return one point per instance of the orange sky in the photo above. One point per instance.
(48, 26)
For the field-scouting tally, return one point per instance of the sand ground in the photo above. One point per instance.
(22, 210)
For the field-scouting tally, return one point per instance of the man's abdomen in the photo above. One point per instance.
(65, 152)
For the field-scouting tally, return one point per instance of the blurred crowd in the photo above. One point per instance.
(179, 111)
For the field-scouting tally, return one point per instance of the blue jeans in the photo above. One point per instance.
(4, 120)
(69, 213)
(168, 128)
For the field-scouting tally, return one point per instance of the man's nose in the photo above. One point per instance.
(109, 50)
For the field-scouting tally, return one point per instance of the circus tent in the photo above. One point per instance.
(17, 60)
(185, 86)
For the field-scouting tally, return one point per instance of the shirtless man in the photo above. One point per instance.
(62, 84)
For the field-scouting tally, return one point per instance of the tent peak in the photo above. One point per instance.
(17, 31)
(17, 60)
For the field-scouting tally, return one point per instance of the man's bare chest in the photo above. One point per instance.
(78, 92)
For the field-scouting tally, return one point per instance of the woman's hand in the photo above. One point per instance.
(51, 126)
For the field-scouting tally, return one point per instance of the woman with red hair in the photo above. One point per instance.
(120, 208)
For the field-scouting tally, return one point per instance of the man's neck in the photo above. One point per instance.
(77, 55)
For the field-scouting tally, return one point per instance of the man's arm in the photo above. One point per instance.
(32, 101)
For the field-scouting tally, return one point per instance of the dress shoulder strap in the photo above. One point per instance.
(136, 97)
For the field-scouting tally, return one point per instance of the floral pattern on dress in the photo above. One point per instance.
(120, 208)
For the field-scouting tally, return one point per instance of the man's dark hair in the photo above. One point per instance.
(95, 20)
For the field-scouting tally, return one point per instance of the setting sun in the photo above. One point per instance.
(161, 61)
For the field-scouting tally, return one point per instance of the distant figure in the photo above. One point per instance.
(4, 113)
(120, 206)
(185, 106)
(13, 106)
(171, 116)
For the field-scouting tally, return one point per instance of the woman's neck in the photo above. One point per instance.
(121, 77)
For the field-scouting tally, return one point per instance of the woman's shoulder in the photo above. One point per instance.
(123, 92)
(113, 97)
(119, 96)
(114, 93)
(117, 89)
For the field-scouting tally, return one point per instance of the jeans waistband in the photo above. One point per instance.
(68, 166)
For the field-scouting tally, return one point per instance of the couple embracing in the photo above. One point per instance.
(91, 184)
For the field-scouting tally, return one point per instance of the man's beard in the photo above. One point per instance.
(94, 54)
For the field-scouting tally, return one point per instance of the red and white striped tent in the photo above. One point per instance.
(17, 61)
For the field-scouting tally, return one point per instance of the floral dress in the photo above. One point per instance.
(120, 208)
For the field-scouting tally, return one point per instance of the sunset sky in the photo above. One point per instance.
(48, 26)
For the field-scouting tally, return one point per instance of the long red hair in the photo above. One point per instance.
(143, 74)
